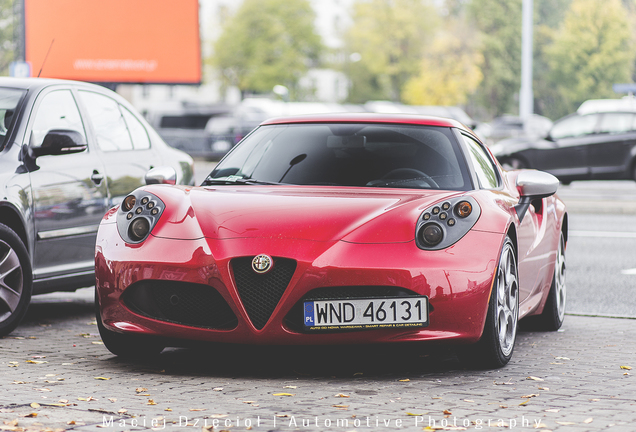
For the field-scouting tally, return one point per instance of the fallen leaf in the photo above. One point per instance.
(468, 400)
(43, 390)
(112, 399)
(64, 401)
(358, 374)
(217, 388)
(340, 406)
(35, 405)
(540, 426)
(544, 388)
(565, 423)
(561, 358)
(57, 404)
(31, 415)
(588, 420)
(290, 387)
(626, 367)
(341, 395)
(221, 416)
(168, 409)
(553, 410)
(534, 378)
(524, 402)
(404, 380)
(197, 409)
(102, 378)
(151, 402)
(447, 412)
(97, 343)
(18, 382)
(122, 411)
(283, 394)
(38, 356)
(530, 396)
(249, 402)
(36, 361)
(141, 389)
(414, 415)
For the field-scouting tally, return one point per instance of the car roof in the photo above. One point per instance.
(39, 83)
(368, 118)
(626, 104)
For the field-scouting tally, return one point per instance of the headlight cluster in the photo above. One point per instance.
(137, 215)
(445, 223)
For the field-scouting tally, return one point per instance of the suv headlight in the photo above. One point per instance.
(445, 223)
(137, 216)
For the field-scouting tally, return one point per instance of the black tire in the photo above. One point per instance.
(553, 313)
(16, 280)
(495, 348)
(125, 345)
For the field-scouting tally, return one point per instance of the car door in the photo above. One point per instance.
(609, 157)
(69, 191)
(124, 144)
(568, 156)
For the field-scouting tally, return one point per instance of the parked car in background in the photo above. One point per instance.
(598, 142)
(69, 151)
(185, 128)
(511, 126)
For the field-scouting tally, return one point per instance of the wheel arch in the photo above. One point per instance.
(10, 217)
(512, 233)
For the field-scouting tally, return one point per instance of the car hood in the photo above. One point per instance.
(361, 215)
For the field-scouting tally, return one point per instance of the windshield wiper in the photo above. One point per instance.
(236, 180)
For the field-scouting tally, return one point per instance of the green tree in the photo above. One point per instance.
(499, 25)
(450, 70)
(390, 38)
(592, 50)
(267, 43)
(7, 42)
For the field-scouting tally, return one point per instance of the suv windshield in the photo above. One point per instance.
(9, 99)
(346, 154)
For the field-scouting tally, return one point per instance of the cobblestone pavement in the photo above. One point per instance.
(56, 374)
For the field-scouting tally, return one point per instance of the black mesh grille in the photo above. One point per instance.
(182, 303)
(294, 319)
(260, 293)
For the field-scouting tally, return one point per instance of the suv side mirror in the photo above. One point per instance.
(532, 185)
(59, 142)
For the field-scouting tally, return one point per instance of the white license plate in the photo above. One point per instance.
(366, 313)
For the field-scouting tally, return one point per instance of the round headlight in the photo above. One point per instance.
(129, 203)
(431, 234)
(139, 228)
(463, 209)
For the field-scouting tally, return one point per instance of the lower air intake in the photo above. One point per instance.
(260, 293)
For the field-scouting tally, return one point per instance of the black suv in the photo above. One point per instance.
(69, 151)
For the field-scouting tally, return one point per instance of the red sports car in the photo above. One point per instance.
(337, 229)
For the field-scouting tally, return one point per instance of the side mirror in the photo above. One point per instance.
(59, 142)
(161, 175)
(533, 185)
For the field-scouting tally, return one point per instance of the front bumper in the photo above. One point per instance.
(456, 280)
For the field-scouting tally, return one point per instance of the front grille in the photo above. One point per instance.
(294, 319)
(182, 303)
(260, 293)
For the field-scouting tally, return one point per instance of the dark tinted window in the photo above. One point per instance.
(9, 99)
(375, 155)
(190, 121)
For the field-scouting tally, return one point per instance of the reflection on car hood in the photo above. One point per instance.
(323, 214)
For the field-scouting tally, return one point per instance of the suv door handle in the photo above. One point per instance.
(97, 177)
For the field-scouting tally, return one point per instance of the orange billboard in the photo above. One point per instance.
(114, 41)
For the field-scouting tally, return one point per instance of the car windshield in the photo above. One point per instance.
(9, 99)
(346, 154)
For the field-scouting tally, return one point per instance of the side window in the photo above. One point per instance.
(137, 130)
(574, 126)
(107, 119)
(486, 171)
(615, 123)
(57, 110)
